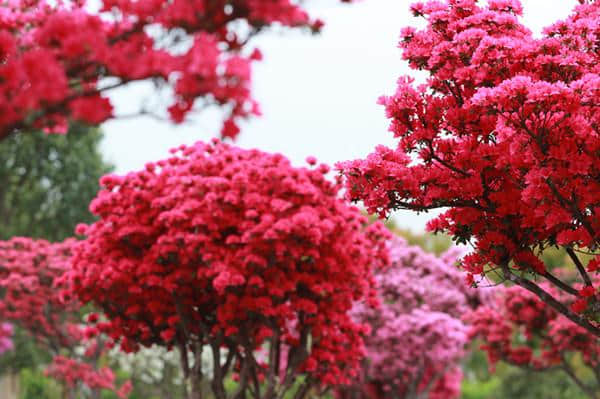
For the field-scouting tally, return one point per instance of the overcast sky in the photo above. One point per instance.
(318, 93)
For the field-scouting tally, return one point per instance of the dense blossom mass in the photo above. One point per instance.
(504, 134)
(417, 336)
(28, 270)
(58, 59)
(518, 328)
(30, 299)
(232, 248)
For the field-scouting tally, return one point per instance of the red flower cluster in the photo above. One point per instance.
(520, 329)
(233, 248)
(57, 58)
(72, 372)
(28, 271)
(504, 134)
(32, 299)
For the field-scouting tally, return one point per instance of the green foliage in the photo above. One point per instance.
(433, 243)
(48, 181)
(34, 385)
(25, 355)
(509, 382)
(554, 257)
(532, 385)
(480, 389)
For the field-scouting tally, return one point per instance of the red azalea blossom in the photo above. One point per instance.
(579, 306)
(58, 59)
(503, 137)
(587, 291)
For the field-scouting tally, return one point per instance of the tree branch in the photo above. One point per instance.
(274, 355)
(217, 383)
(580, 268)
(243, 381)
(549, 300)
(304, 388)
(584, 387)
(560, 284)
(576, 213)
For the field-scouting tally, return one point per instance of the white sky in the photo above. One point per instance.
(318, 93)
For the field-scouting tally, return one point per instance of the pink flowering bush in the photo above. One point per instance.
(237, 250)
(417, 337)
(58, 58)
(6, 332)
(30, 299)
(503, 136)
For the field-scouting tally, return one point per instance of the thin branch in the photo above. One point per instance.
(576, 213)
(304, 388)
(560, 284)
(439, 204)
(569, 371)
(445, 163)
(579, 266)
(274, 355)
(296, 356)
(549, 300)
(255, 371)
(457, 96)
(231, 353)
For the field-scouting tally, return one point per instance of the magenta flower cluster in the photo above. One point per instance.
(417, 336)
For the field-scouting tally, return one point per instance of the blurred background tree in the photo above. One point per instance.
(47, 182)
(436, 244)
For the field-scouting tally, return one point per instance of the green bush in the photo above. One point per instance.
(34, 385)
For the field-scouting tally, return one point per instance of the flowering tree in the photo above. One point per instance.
(417, 336)
(29, 271)
(519, 329)
(232, 251)
(58, 58)
(48, 181)
(504, 136)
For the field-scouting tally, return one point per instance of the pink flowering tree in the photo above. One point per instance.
(517, 328)
(417, 337)
(232, 252)
(59, 59)
(503, 136)
(30, 299)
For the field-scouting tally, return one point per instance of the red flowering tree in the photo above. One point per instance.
(519, 329)
(58, 58)
(30, 299)
(504, 137)
(234, 252)
(417, 337)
